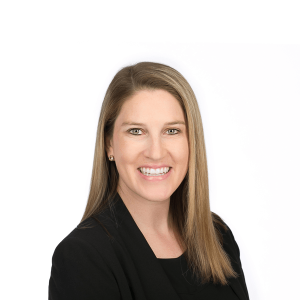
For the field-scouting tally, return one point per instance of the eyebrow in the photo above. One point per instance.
(142, 124)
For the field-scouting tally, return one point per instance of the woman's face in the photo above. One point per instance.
(153, 144)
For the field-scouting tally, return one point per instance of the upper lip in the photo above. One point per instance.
(154, 166)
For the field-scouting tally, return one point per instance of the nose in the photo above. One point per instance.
(156, 149)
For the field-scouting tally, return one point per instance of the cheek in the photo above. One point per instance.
(181, 151)
(181, 158)
(126, 152)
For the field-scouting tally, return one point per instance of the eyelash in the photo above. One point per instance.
(141, 129)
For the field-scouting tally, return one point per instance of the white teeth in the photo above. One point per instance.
(154, 172)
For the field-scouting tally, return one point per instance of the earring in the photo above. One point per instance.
(111, 157)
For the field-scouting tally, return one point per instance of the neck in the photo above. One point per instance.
(150, 216)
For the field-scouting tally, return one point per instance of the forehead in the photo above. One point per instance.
(151, 105)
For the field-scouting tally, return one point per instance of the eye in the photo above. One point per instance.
(129, 130)
(174, 129)
(134, 129)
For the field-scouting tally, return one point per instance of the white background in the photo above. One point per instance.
(242, 60)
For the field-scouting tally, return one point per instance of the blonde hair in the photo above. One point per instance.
(198, 228)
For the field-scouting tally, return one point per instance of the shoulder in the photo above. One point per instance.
(219, 223)
(226, 236)
(78, 244)
(231, 247)
(90, 238)
(88, 234)
(79, 266)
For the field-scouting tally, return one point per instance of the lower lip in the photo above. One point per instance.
(155, 178)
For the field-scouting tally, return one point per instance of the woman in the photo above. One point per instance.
(147, 231)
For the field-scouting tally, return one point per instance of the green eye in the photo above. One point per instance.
(175, 129)
(178, 130)
(134, 129)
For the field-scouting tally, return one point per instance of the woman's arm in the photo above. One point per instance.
(79, 273)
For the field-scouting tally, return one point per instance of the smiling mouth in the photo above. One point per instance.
(154, 174)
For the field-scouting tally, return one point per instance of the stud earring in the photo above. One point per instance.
(111, 157)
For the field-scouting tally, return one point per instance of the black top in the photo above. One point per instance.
(187, 287)
(108, 258)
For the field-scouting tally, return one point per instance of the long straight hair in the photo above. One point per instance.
(189, 213)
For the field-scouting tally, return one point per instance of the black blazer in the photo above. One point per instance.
(112, 260)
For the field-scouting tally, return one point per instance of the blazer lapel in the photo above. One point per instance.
(155, 282)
